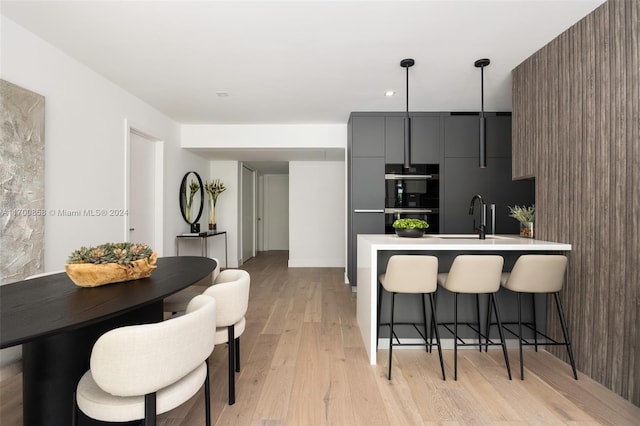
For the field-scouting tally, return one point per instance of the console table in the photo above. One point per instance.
(203, 243)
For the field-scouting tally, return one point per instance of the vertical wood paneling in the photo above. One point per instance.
(576, 125)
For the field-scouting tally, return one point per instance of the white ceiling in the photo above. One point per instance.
(301, 61)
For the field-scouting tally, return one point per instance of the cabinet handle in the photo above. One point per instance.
(368, 211)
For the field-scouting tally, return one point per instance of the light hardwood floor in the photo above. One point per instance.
(303, 363)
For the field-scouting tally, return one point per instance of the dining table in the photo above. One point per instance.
(58, 322)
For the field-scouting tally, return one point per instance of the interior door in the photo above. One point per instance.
(145, 211)
(276, 212)
(248, 214)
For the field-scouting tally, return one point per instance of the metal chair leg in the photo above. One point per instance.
(424, 319)
(489, 312)
(504, 345)
(520, 337)
(393, 297)
(207, 397)
(435, 324)
(535, 323)
(455, 336)
(565, 332)
(237, 354)
(478, 319)
(231, 355)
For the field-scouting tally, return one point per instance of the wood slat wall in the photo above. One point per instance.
(576, 129)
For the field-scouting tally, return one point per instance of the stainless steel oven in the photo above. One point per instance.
(412, 193)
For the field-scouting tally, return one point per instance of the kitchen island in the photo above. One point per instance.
(375, 249)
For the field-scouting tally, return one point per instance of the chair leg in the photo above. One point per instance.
(237, 354)
(424, 319)
(434, 325)
(433, 321)
(478, 319)
(489, 312)
(232, 377)
(393, 297)
(565, 332)
(520, 337)
(150, 409)
(207, 397)
(74, 411)
(504, 345)
(535, 323)
(455, 336)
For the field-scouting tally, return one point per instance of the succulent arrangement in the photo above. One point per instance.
(410, 224)
(121, 253)
(523, 214)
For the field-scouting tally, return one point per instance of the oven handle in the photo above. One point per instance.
(408, 211)
(393, 176)
(368, 211)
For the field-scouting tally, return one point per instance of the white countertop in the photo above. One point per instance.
(461, 242)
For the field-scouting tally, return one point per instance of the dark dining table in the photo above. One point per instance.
(57, 323)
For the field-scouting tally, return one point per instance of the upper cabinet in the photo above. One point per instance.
(425, 139)
(367, 134)
(462, 135)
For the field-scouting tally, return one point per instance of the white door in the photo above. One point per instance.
(248, 213)
(145, 189)
(276, 212)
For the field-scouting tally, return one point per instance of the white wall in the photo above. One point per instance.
(85, 145)
(317, 214)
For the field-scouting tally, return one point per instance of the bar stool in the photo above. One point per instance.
(538, 273)
(415, 274)
(474, 274)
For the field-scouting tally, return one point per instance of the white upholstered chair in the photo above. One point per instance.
(143, 370)
(474, 274)
(539, 273)
(231, 291)
(11, 358)
(178, 302)
(416, 274)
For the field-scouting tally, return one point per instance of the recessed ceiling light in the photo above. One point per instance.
(222, 94)
(389, 93)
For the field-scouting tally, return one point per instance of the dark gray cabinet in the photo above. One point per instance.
(368, 136)
(425, 139)
(367, 183)
(463, 178)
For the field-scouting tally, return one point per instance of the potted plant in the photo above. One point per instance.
(110, 263)
(412, 228)
(213, 189)
(526, 216)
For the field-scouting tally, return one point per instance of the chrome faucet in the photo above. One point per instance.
(482, 229)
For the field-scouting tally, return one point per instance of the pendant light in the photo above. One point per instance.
(406, 64)
(481, 63)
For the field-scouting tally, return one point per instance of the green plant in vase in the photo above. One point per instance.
(213, 190)
(526, 216)
(194, 187)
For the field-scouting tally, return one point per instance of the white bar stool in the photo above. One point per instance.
(411, 274)
(474, 274)
(538, 273)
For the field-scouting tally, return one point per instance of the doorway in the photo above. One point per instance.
(248, 213)
(276, 212)
(144, 190)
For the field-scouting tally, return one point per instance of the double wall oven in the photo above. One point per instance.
(412, 193)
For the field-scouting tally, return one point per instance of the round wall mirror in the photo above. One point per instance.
(191, 199)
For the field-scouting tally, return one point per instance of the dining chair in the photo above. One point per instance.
(231, 291)
(11, 357)
(178, 302)
(140, 371)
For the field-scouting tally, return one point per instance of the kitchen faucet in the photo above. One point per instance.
(482, 229)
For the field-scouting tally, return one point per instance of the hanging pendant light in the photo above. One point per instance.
(481, 63)
(406, 64)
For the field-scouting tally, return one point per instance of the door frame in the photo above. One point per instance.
(253, 212)
(158, 234)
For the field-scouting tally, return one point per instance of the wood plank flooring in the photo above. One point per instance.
(303, 363)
